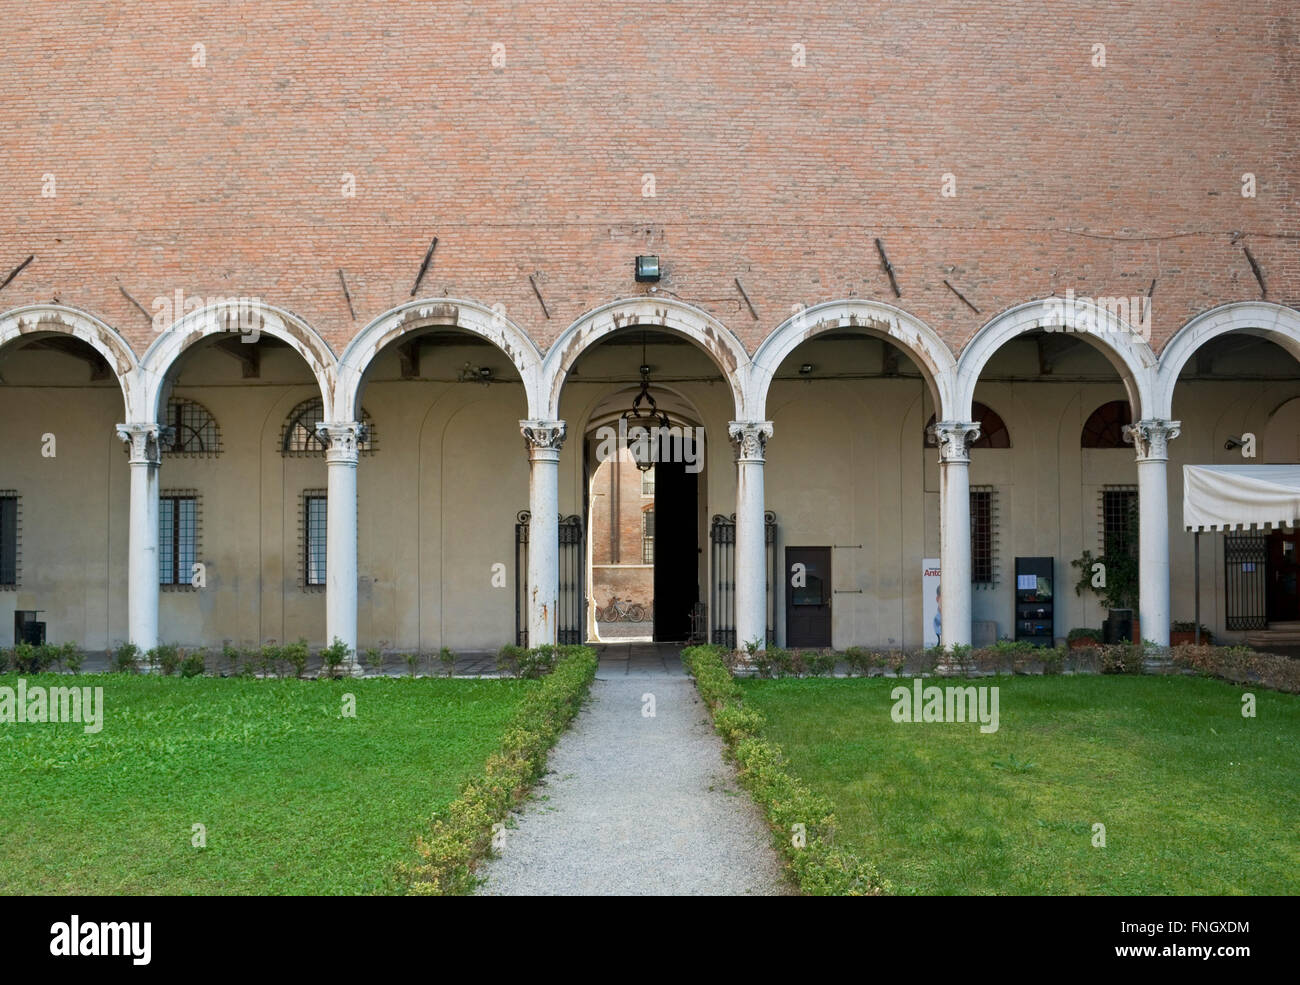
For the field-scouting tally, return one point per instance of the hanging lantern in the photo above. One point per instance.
(647, 421)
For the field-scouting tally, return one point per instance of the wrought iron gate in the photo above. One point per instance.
(1245, 561)
(572, 602)
(722, 578)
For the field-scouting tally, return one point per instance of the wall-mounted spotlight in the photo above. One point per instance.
(475, 374)
(1233, 443)
(806, 369)
(647, 269)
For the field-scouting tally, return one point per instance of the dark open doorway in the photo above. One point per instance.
(1283, 576)
(676, 550)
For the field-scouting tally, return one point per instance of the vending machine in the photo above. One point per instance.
(1035, 621)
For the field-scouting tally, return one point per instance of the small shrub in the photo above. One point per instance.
(822, 663)
(858, 661)
(72, 657)
(126, 658)
(538, 662)
(334, 656)
(412, 662)
(448, 660)
(193, 664)
(296, 655)
(1053, 658)
(166, 657)
(29, 659)
(509, 658)
(230, 654)
(897, 662)
(269, 659)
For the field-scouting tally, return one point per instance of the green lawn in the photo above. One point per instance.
(295, 797)
(1195, 798)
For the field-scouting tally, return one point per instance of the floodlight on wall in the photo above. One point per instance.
(806, 369)
(475, 374)
(1233, 443)
(647, 269)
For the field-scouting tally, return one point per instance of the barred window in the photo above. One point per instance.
(1104, 427)
(648, 482)
(315, 526)
(993, 432)
(300, 437)
(983, 535)
(1119, 520)
(194, 429)
(178, 541)
(9, 514)
(648, 536)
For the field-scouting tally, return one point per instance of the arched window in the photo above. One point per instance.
(194, 429)
(1104, 427)
(300, 437)
(993, 432)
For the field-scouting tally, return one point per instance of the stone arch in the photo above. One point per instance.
(921, 343)
(243, 316)
(1121, 344)
(1275, 322)
(469, 316)
(678, 317)
(33, 319)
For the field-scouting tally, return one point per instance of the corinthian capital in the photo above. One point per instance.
(1151, 437)
(342, 439)
(750, 439)
(144, 441)
(543, 438)
(955, 439)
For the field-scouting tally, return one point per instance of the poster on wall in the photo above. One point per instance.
(931, 627)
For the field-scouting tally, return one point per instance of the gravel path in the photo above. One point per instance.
(634, 805)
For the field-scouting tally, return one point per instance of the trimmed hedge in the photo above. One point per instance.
(461, 836)
(820, 867)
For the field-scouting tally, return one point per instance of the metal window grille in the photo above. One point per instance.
(194, 429)
(178, 538)
(1119, 520)
(983, 535)
(1245, 560)
(571, 617)
(315, 528)
(722, 588)
(648, 482)
(300, 437)
(9, 514)
(648, 537)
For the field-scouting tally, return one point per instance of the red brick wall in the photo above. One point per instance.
(226, 179)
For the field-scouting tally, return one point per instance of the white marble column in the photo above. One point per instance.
(1151, 440)
(955, 439)
(341, 454)
(144, 446)
(750, 439)
(543, 439)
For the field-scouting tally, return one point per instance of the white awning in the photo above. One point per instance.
(1229, 497)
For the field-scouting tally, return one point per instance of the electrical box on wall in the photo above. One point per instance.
(1035, 594)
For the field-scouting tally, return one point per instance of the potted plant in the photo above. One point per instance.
(1118, 591)
(1081, 638)
(1185, 632)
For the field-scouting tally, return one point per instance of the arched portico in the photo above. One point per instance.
(678, 317)
(1117, 340)
(249, 319)
(921, 343)
(453, 313)
(1128, 352)
(1276, 322)
(40, 318)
